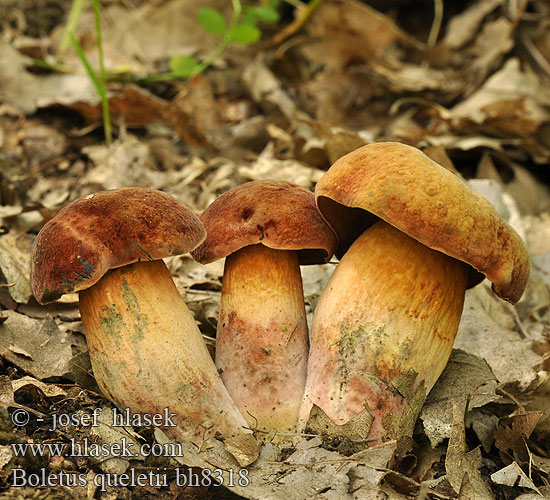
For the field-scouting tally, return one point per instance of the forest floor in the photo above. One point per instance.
(466, 82)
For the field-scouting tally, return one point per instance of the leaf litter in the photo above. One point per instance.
(476, 98)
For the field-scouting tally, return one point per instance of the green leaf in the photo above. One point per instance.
(211, 20)
(266, 15)
(250, 18)
(244, 33)
(183, 66)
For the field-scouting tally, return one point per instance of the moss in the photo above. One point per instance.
(132, 303)
(111, 322)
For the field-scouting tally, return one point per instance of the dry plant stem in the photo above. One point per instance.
(392, 307)
(147, 353)
(262, 339)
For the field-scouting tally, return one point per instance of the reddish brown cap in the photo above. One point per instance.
(404, 187)
(107, 230)
(279, 215)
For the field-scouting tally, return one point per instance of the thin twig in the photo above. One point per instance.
(535, 54)
(517, 319)
(303, 15)
(509, 396)
(436, 24)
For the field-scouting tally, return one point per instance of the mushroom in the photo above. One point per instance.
(146, 350)
(265, 229)
(413, 237)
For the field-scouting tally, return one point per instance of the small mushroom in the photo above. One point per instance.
(146, 350)
(265, 230)
(413, 237)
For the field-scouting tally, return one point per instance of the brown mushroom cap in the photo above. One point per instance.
(401, 185)
(106, 230)
(279, 215)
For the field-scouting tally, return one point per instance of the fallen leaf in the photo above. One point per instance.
(513, 431)
(465, 378)
(306, 473)
(126, 163)
(21, 352)
(505, 350)
(50, 390)
(461, 463)
(266, 89)
(512, 475)
(15, 263)
(337, 141)
(112, 436)
(142, 35)
(464, 26)
(47, 350)
(338, 35)
(506, 84)
(30, 92)
(6, 454)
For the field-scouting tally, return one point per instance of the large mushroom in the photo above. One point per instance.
(265, 229)
(412, 238)
(146, 350)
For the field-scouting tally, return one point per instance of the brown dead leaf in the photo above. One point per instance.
(440, 155)
(266, 89)
(494, 40)
(538, 233)
(345, 31)
(540, 400)
(139, 36)
(466, 377)
(266, 167)
(512, 100)
(15, 263)
(404, 77)
(531, 196)
(337, 141)
(132, 105)
(534, 496)
(127, 162)
(507, 352)
(41, 143)
(49, 390)
(309, 472)
(461, 463)
(512, 432)
(6, 392)
(463, 27)
(112, 436)
(512, 475)
(29, 92)
(47, 351)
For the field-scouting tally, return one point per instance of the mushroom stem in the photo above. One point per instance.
(262, 339)
(383, 328)
(147, 353)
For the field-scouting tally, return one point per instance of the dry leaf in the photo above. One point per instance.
(49, 390)
(266, 89)
(505, 350)
(126, 163)
(512, 475)
(464, 26)
(465, 378)
(15, 263)
(461, 463)
(49, 349)
(30, 92)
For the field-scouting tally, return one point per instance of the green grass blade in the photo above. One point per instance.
(100, 89)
